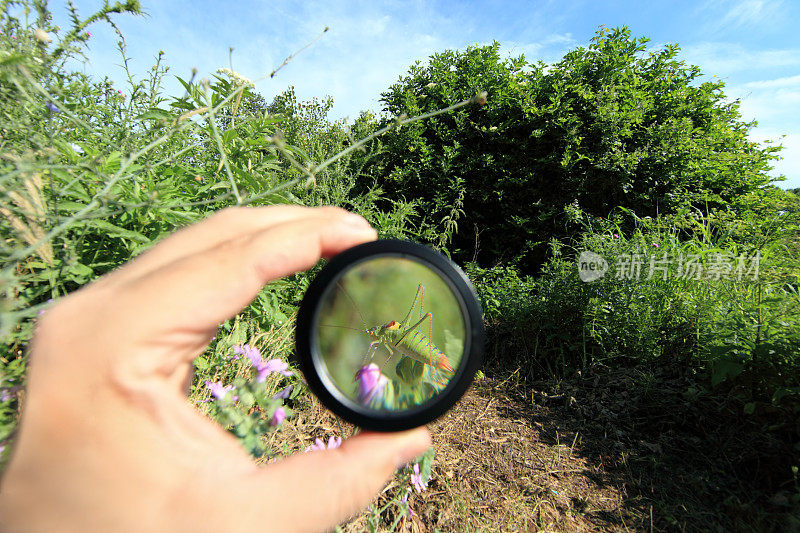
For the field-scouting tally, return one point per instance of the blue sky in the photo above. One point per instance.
(752, 45)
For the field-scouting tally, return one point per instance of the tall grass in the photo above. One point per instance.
(742, 335)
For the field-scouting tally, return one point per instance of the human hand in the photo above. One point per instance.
(107, 440)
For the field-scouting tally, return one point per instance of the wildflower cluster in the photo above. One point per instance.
(413, 479)
(236, 78)
(250, 407)
(417, 481)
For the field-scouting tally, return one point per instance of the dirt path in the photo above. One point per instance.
(604, 453)
(502, 467)
(630, 450)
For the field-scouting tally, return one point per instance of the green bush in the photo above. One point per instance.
(607, 126)
(739, 332)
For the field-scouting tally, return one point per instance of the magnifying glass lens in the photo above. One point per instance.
(390, 333)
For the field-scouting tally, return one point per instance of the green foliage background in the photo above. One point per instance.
(609, 125)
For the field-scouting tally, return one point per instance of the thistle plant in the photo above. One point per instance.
(248, 406)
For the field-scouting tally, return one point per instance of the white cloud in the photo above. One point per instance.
(775, 105)
(727, 15)
(782, 104)
(724, 59)
(364, 52)
(790, 81)
(746, 12)
(549, 49)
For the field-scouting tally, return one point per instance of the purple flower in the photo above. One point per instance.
(318, 445)
(370, 383)
(278, 416)
(273, 365)
(264, 368)
(655, 244)
(51, 107)
(616, 236)
(250, 352)
(218, 390)
(404, 500)
(284, 394)
(5, 395)
(88, 34)
(416, 479)
(333, 442)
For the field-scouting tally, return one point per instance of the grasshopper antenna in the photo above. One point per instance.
(355, 305)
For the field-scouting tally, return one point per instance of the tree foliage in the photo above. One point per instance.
(611, 124)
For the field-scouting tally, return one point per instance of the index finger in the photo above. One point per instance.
(176, 306)
(224, 225)
(197, 292)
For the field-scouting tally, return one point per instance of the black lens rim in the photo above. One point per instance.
(312, 366)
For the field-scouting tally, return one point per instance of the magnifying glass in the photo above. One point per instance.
(390, 335)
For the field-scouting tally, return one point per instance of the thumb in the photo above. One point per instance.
(320, 489)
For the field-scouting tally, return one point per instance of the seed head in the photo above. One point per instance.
(41, 36)
(480, 98)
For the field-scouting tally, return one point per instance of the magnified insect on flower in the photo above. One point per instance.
(391, 334)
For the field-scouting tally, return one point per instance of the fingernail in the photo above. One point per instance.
(356, 220)
(419, 444)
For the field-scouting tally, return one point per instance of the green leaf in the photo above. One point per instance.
(116, 231)
(156, 114)
(723, 369)
(426, 463)
(13, 59)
